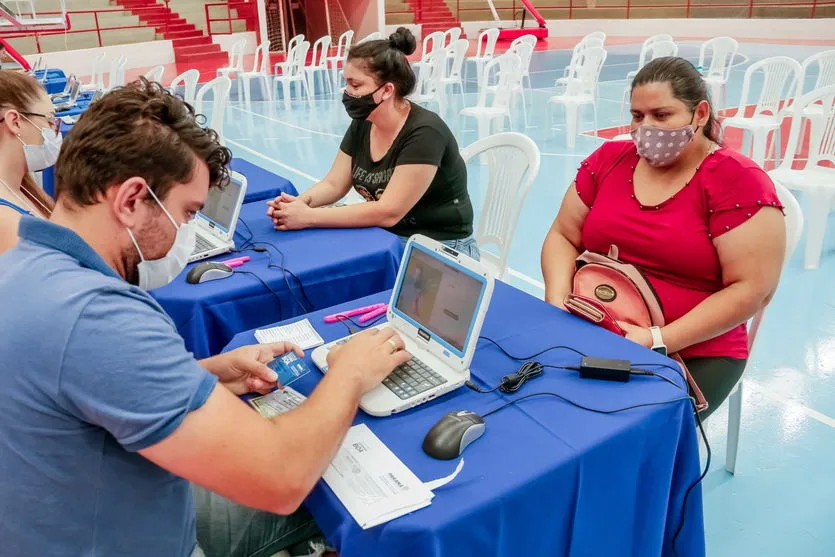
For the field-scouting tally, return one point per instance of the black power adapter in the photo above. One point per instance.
(604, 368)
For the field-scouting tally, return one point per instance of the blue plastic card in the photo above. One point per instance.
(289, 368)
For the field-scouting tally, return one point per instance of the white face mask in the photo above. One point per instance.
(159, 272)
(39, 157)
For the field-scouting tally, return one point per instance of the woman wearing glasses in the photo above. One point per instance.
(29, 142)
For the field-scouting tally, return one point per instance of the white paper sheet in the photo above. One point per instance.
(301, 333)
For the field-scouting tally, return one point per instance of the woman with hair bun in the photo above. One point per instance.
(402, 158)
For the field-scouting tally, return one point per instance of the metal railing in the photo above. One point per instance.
(98, 28)
(568, 10)
(244, 11)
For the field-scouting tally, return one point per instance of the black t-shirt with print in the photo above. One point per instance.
(445, 211)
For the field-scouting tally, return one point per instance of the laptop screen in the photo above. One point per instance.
(439, 297)
(220, 206)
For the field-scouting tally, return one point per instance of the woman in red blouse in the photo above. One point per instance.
(703, 222)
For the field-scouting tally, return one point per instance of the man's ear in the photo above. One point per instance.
(127, 199)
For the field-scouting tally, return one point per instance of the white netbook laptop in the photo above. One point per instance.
(214, 225)
(437, 306)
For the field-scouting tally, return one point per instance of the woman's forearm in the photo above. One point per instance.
(359, 215)
(558, 256)
(322, 193)
(717, 314)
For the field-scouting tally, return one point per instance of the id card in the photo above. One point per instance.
(289, 368)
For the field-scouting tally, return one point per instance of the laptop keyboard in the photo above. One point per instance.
(410, 379)
(201, 244)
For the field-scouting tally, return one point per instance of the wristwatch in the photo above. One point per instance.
(658, 342)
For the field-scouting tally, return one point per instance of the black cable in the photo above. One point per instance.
(532, 356)
(581, 406)
(268, 287)
(677, 369)
(361, 326)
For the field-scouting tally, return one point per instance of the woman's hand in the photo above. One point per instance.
(290, 213)
(639, 335)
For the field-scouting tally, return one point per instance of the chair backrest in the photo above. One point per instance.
(821, 145)
(431, 73)
(825, 62)
(451, 35)
(299, 58)
(512, 166)
(292, 43)
(779, 82)
(660, 49)
(642, 58)
(97, 77)
(155, 74)
(117, 72)
(722, 52)
(508, 68)
(523, 39)
(525, 52)
(580, 47)
(219, 87)
(458, 51)
(587, 72)
(319, 56)
(595, 36)
(794, 228)
(236, 55)
(189, 81)
(488, 38)
(431, 42)
(261, 62)
(344, 44)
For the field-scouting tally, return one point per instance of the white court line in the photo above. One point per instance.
(525, 278)
(814, 414)
(275, 162)
(283, 123)
(562, 155)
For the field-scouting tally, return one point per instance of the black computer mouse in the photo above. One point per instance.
(450, 436)
(208, 270)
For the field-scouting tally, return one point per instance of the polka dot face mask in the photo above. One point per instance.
(662, 146)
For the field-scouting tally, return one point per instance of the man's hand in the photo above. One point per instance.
(244, 369)
(289, 213)
(368, 357)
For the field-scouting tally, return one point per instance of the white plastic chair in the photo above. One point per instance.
(429, 86)
(825, 62)
(295, 74)
(431, 43)
(457, 51)
(189, 80)
(589, 41)
(319, 65)
(498, 107)
(261, 72)
(512, 166)
(723, 50)
(451, 35)
(284, 67)
(236, 60)
(524, 49)
(794, 228)
(526, 54)
(342, 48)
(581, 90)
(117, 73)
(219, 87)
(642, 57)
(97, 77)
(779, 75)
(155, 74)
(657, 49)
(488, 38)
(815, 180)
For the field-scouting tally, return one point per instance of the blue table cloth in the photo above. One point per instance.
(332, 265)
(55, 81)
(261, 184)
(547, 478)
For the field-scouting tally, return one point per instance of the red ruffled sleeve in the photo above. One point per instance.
(735, 190)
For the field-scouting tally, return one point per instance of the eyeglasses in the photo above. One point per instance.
(51, 121)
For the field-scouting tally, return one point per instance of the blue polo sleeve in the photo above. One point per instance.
(126, 369)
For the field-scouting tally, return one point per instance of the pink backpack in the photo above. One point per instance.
(607, 290)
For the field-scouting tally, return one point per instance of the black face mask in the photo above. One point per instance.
(360, 108)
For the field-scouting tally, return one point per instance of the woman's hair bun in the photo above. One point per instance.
(403, 40)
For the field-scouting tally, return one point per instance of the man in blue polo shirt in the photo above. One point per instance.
(105, 418)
